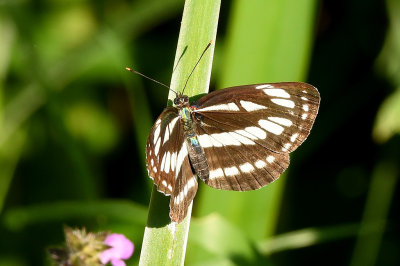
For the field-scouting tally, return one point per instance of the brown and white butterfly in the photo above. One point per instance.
(237, 138)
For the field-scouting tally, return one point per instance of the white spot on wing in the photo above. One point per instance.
(294, 137)
(163, 162)
(260, 164)
(304, 98)
(246, 134)
(152, 162)
(242, 139)
(154, 170)
(166, 135)
(169, 129)
(286, 147)
(217, 173)
(283, 102)
(206, 141)
(305, 107)
(270, 126)
(221, 107)
(246, 167)
(191, 183)
(157, 148)
(304, 116)
(182, 195)
(234, 138)
(231, 171)
(225, 138)
(250, 106)
(180, 158)
(173, 161)
(281, 121)
(270, 159)
(277, 93)
(156, 134)
(178, 198)
(185, 191)
(172, 124)
(258, 132)
(164, 183)
(233, 107)
(167, 162)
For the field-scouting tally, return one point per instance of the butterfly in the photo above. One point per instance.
(238, 138)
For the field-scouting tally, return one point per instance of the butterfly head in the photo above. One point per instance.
(181, 101)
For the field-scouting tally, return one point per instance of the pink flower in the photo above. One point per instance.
(121, 249)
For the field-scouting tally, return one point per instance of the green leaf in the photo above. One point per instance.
(380, 196)
(306, 237)
(210, 234)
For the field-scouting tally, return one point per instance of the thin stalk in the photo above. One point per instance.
(380, 195)
(164, 243)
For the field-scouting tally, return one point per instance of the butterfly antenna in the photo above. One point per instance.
(156, 81)
(208, 46)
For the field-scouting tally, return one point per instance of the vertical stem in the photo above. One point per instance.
(164, 243)
(380, 195)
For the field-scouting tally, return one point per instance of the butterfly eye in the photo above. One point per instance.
(186, 99)
(176, 101)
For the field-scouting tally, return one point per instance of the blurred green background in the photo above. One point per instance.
(73, 126)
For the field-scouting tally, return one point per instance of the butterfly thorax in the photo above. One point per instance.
(181, 102)
(196, 152)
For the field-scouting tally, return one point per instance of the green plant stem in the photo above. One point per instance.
(164, 243)
(380, 195)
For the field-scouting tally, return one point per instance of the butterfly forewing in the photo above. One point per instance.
(163, 145)
(280, 115)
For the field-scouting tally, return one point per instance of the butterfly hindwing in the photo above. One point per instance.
(163, 144)
(184, 192)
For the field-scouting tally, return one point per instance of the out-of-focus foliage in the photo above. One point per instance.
(388, 121)
(73, 126)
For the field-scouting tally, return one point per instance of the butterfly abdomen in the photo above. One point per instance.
(197, 156)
